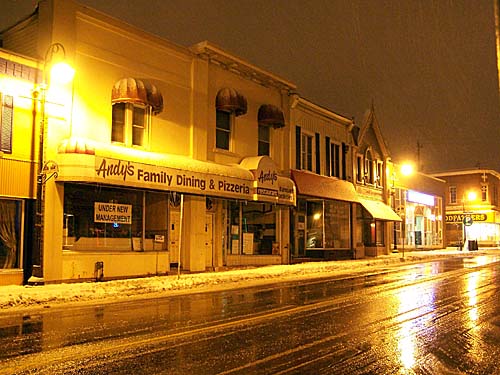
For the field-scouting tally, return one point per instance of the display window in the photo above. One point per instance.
(10, 233)
(105, 218)
(252, 228)
(328, 223)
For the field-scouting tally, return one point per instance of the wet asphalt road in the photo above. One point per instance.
(439, 317)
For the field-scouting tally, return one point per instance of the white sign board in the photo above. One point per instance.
(112, 213)
(247, 243)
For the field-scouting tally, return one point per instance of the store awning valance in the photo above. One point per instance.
(269, 185)
(230, 100)
(133, 90)
(379, 210)
(83, 160)
(314, 185)
(270, 115)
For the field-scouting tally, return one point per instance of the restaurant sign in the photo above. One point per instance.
(459, 218)
(166, 178)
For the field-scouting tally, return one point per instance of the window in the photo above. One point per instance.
(484, 192)
(315, 224)
(253, 228)
(138, 126)
(335, 159)
(453, 194)
(118, 126)
(6, 123)
(373, 233)
(264, 140)
(145, 215)
(369, 175)
(223, 130)
(380, 173)
(10, 230)
(359, 168)
(130, 124)
(306, 152)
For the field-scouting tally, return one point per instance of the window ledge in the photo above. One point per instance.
(225, 152)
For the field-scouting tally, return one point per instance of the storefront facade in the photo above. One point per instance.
(419, 200)
(118, 207)
(323, 222)
(323, 219)
(374, 215)
(18, 77)
(472, 212)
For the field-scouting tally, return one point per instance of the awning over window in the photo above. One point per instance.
(324, 187)
(133, 90)
(269, 185)
(88, 161)
(230, 100)
(379, 210)
(270, 115)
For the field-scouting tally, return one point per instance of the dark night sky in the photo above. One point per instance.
(429, 66)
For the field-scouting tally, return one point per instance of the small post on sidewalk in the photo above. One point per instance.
(180, 237)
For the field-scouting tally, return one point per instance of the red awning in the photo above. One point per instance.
(230, 100)
(270, 115)
(133, 90)
(324, 187)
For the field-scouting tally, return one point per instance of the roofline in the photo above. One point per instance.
(20, 58)
(298, 100)
(465, 172)
(25, 18)
(214, 53)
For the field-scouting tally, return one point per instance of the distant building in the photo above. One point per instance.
(472, 207)
(374, 213)
(420, 201)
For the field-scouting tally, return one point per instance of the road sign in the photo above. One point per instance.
(468, 221)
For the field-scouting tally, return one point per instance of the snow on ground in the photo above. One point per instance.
(15, 296)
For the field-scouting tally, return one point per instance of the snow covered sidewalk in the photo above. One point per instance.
(101, 292)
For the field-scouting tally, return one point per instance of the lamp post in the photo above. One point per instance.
(467, 220)
(393, 201)
(406, 170)
(62, 73)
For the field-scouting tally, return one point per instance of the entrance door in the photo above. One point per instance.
(209, 242)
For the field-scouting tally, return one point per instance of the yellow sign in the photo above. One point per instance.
(459, 218)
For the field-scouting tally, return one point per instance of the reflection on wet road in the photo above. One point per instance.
(430, 318)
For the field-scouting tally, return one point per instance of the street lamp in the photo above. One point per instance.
(61, 73)
(406, 170)
(466, 221)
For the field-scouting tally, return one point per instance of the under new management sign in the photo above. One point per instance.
(112, 213)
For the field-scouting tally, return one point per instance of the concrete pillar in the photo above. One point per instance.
(193, 234)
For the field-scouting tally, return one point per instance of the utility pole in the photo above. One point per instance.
(496, 7)
(419, 146)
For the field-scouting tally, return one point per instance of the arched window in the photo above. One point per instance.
(134, 101)
(369, 175)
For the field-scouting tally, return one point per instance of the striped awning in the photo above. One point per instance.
(133, 90)
(270, 115)
(314, 185)
(379, 210)
(230, 100)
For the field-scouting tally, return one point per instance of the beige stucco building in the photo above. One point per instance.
(163, 155)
